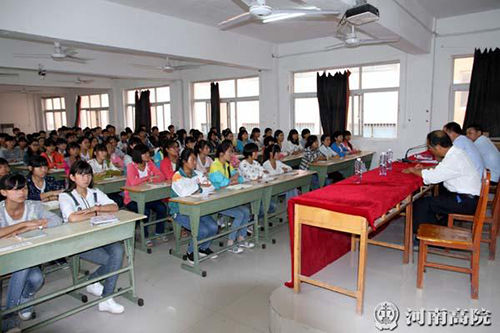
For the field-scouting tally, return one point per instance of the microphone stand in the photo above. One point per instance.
(406, 159)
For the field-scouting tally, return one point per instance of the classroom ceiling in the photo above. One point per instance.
(448, 8)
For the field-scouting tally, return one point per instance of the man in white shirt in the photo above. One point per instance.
(454, 131)
(488, 151)
(459, 177)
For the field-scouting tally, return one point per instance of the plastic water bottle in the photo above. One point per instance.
(358, 172)
(383, 164)
(390, 156)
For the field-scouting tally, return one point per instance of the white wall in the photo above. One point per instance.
(19, 109)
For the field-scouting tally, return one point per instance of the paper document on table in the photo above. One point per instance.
(239, 187)
(32, 234)
(14, 246)
(103, 219)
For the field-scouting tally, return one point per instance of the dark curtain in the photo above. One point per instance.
(483, 104)
(333, 100)
(78, 108)
(214, 106)
(142, 110)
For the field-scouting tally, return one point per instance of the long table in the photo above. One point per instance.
(292, 160)
(349, 208)
(111, 185)
(143, 194)
(344, 165)
(70, 239)
(58, 174)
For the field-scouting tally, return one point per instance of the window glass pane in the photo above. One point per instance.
(166, 116)
(56, 104)
(131, 96)
(200, 116)
(63, 103)
(64, 118)
(462, 69)
(104, 100)
(248, 87)
(380, 114)
(459, 106)
(223, 116)
(304, 82)
(95, 101)
(48, 104)
(159, 118)
(152, 95)
(130, 116)
(380, 76)
(85, 102)
(49, 118)
(154, 122)
(307, 115)
(163, 94)
(93, 118)
(202, 90)
(248, 114)
(226, 89)
(232, 117)
(57, 120)
(104, 118)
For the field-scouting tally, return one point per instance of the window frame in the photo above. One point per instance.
(131, 122)
(352, 92)
(228, 101)
(96, 109)
(62, 111)
(454, 87)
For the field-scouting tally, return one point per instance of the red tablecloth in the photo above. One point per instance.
(371, 199)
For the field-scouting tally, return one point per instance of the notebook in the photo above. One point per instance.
(103, 219)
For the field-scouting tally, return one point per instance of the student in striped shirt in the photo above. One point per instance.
(311, 155)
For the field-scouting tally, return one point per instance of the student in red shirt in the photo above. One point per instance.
(171, 155)
(54, 158)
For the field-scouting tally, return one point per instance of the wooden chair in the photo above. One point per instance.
(457, 239)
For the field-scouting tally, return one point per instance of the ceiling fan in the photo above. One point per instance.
(60, 54)
(259, 10)
(9, 74)
(167, 67)
(351, 40)
(77, 81)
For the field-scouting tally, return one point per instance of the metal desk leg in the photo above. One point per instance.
(322, 174)
(141, 207)
(255, 206)
(129, 251)
(266, 203)
(194, 220)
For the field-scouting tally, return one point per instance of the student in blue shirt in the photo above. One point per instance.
(337, 146)
(242, 141)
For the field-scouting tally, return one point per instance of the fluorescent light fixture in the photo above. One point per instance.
(279, 17)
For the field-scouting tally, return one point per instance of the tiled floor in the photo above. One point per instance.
(235, 296)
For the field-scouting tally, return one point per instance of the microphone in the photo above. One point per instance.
(405, 159)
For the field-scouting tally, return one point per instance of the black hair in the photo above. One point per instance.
(134, 141)
(336, 134)
(270, 149)
(226, 132)
(138, 151)
(180, 135)
(240, 134)
(439, 137)
(72, 145)
(304, 132)
(310, 140)
(104, 131)
(199, 146)
(290, 136)
(197, 135)
(242, 128)
(80, 167)
(249, 149)
(454, 127)
(269, 139)
(170, 126)
(324, 136)
(38, 161)
(9, 138)
(22, 139)
(268, 130)
(12, 181)
(166, 145)
(128, 130)
(210, 133)
(154, 128)
(16, 129)
(110, 126)
(3, 161)
(99, 147)
(223, 147)
(476, 127)
(277, 133)
(123, 133)
(60, 141)
(255, 130)
(184, 157)
(346, 133)
(112, 137)
(69, 135)
(80, 141)
(189, 139)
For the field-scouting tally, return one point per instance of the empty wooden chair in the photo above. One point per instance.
(455, 238)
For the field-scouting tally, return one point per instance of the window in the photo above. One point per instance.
(94, 110)
(373, 102)
(239, 104)
(160, 107)
(54, 109)
(462, 70)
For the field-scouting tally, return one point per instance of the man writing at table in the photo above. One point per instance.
(459, 177)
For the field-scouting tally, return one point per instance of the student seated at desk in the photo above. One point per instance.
(304, 134)
(142, 171)
(311, 155)
(250, 168)
(187, 181)
(242, 141)
(40, 186)
(221, 175)
(101, 166)
(127, 159)
(85, 151)
(337, 146)
(55, 160)
(11, 153)
(347, 143)
(255, 137)
(4, 167)
(271, 162)
(292, 146)
(325, 149)
(73, 150)
(170, 156)
(32, 150)
(79, 203)
(203, 161)
(18, 215)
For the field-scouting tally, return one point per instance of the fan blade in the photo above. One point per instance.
(377, 41)
(8, 74)
(69, 51)
(20, 55)
(286, 14)
(233, 21)
(335, 46)
(181, 67)
(78, 59)
(146, 66)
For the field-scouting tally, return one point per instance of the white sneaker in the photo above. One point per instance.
(111, 306)
(247, 245)
(236, 249)
(14, 330)
(26, 314)
(95, 289)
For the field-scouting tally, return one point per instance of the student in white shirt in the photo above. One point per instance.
(454, 131)
(325, 148)
(100, 163)
(271, 162)
(79, 203)
(459, 177)
(292, 146)
(203, 161)
(488, 151)
(250, 168)
(304, 135)
(84, 148)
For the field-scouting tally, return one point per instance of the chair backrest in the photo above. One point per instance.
(477, 225)
(495, 207)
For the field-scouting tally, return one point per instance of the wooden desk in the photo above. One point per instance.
(346, 165)
(292, 160)
(357, 226)
(111, 185)
(68, 240)
(281, 184)
(196, 206)
(23, 169)
(142, 194)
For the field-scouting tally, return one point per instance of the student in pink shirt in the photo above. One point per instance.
(143, 170)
